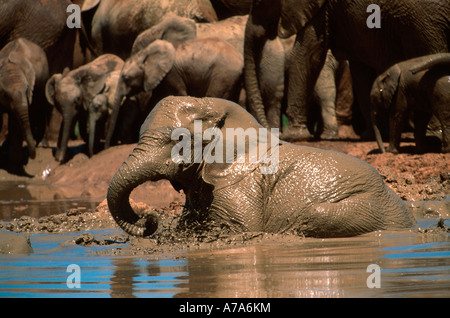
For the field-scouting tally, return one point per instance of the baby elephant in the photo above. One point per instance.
(205, 67)
(420, 85)
(236, 173)
(23, 73)
(72, 93)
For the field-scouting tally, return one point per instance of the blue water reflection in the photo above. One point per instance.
(413, 264)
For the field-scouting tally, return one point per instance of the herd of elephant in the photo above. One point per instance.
(267, 56)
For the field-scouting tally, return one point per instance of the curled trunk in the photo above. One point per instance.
(131, 174)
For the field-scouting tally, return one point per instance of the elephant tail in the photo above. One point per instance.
(432, 61)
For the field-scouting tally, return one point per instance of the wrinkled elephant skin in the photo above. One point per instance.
(311, 192)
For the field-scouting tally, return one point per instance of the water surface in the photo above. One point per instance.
(412, 264)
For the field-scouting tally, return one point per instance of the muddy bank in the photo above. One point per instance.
(413, 177)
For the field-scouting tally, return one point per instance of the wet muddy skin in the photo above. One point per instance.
(62, 219)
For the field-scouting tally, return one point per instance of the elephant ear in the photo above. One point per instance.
(158, 61)
(27, 70)
(179, 30)
(88, 4)
(239, 147)
(172, 28)
(202, 11)
(295, 14)
(388, 85)
(50, 88)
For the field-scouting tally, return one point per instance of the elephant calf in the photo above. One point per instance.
(204, 67)
(72, 93)
(311, 192)
(420, 85)
(23, 73)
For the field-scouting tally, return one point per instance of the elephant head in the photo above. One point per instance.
(172, 28)
(100, 107)
(174, 145)
(382, 94)
(72, 92)
(142, 72)
(284, 18)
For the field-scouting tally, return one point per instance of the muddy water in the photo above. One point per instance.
(19, 198)
(411, 264)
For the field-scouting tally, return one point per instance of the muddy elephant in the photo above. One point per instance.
(23, 74)
(351, 29)
(420, 85)
(117, 23)
(238, 174)
(201, 67)
(177, 29)
(72, 92)
(45, 23)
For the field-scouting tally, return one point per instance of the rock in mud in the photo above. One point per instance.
(14, 243)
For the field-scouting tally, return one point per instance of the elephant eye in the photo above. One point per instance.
(221, 121)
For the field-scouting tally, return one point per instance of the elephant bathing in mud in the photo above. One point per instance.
(286, 188)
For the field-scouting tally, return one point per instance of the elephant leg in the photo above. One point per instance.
(443, 114)
(355, 215)
(325, 94)
(342, 218)
(14, 147)
(363, 78)
(326, 91)
(271, 74)
(344, 101)
(273, 97)
(421, 120)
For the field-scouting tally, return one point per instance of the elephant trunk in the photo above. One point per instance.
(92, 125)
(66, 127)
(377, 132)
(116, 104)
(23, 118)
(437, 59)
(253, 46)
(133, 172)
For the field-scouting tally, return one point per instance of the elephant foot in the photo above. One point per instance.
(347, 132)
(368, 135)
(329, 135)
(296, 133)
(392, 149)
